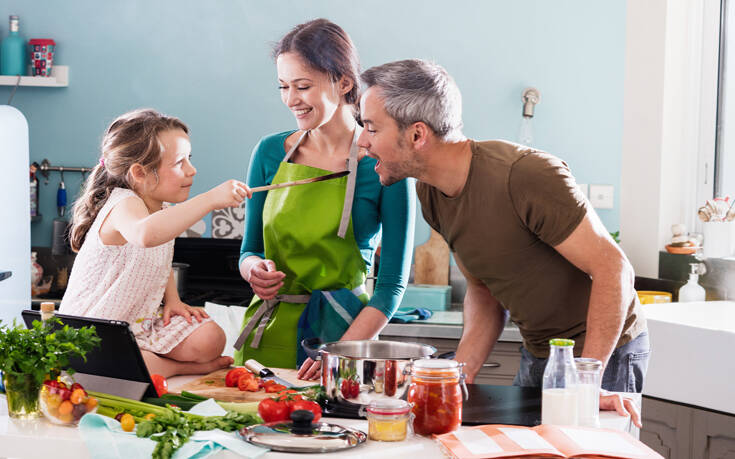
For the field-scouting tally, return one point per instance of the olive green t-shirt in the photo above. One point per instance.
(516, 206)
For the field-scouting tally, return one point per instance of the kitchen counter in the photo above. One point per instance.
(443, 324)
(690, 360)
(40, 438)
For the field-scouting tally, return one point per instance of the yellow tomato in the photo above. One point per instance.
(127, 422)
(65, 407)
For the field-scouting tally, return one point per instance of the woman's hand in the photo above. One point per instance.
(310, 370)
(263, 277)
(228, 194)
(179, 308)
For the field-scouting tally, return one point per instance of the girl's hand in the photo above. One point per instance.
(179, 308)
(264, 279)
(228, 194)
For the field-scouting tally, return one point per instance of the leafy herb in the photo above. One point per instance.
(209, 382)
(43, 349)
(170, 427)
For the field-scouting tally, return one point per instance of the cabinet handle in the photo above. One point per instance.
(491, 365)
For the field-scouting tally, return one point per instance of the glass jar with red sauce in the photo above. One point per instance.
(436, 392)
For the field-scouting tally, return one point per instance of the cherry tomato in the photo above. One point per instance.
(344, 387)
(127, 422)
(233, 376)
(309, 406)
(77, 396)
(160, 384)
(271, 410)
(248, 383)
(76, 386)
(354, 388)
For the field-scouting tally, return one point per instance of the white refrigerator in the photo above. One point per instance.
(15, 220)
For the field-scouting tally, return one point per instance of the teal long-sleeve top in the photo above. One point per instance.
(376, 209)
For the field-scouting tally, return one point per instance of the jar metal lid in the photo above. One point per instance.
(587, 364)
(388, 406)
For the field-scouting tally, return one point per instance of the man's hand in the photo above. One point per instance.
(179, 308)
(625, 406)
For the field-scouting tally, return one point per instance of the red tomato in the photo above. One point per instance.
(248, 383)
(233, 376)
(308, 406)
(344, 387)
(160, 384)
(76, 386)
(271, 410)
(354, 388)
(274, 388)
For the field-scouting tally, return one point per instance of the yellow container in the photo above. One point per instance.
(652, 296)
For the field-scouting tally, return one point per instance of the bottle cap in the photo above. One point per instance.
(47, 306)
(561, 342)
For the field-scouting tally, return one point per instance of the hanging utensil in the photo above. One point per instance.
(61, 195)
(300, 182)
(59, 237)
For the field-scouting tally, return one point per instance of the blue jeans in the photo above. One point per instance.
(625, 370)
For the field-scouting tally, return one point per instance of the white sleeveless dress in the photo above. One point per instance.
(125, 282)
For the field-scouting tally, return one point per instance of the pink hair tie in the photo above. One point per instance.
(102, 162)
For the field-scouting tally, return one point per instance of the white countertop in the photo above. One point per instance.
(40, 438)
(691, 347)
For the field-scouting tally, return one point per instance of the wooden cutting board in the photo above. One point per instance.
(213, 386)
(431, 261)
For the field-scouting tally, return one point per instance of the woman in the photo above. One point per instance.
(307, 249)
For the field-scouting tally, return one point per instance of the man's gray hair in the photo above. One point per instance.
(415, 90)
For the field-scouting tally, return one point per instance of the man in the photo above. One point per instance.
(523, 235)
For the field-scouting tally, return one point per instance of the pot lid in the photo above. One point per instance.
(301, 435)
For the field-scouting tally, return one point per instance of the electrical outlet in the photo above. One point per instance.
(584, 188)
(601, 196)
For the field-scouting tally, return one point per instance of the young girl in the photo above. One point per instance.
(125, 240)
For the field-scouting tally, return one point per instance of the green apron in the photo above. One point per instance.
(307, 232)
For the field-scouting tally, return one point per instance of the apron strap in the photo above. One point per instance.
(351, 178)
(351, 183)
(262, 316)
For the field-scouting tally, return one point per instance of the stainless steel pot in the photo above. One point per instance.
(180, 276)
(357, 372)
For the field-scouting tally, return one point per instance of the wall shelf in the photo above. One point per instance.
(59, 79)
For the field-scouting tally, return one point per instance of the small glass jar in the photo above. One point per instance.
(588, 389)
(388, 419)
(436, 394)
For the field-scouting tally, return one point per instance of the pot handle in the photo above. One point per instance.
(445, 355)
(312, 346)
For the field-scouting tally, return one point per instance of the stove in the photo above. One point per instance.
(213, 274)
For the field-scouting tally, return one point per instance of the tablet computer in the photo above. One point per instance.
(116, 366)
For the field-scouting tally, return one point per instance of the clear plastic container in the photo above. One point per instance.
(388, 419)
(588, 387)
(559, 391)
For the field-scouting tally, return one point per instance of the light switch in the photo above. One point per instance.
(601, 196)
(584, 188)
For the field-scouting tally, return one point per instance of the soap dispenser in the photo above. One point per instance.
(692, 291)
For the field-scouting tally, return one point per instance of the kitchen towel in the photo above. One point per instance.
(105, 439)
(406, 315)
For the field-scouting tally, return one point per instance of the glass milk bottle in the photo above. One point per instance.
(559, 388)
(588, 390)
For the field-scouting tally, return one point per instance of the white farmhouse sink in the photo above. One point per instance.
(692, 347)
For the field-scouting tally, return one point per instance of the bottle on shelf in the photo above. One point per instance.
(34, 192)
(47, 311)
(559, 394)
(13, 51)
(692, 291)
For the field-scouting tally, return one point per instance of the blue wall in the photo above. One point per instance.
(208, 63)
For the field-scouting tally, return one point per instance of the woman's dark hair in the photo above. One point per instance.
(327, 48)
